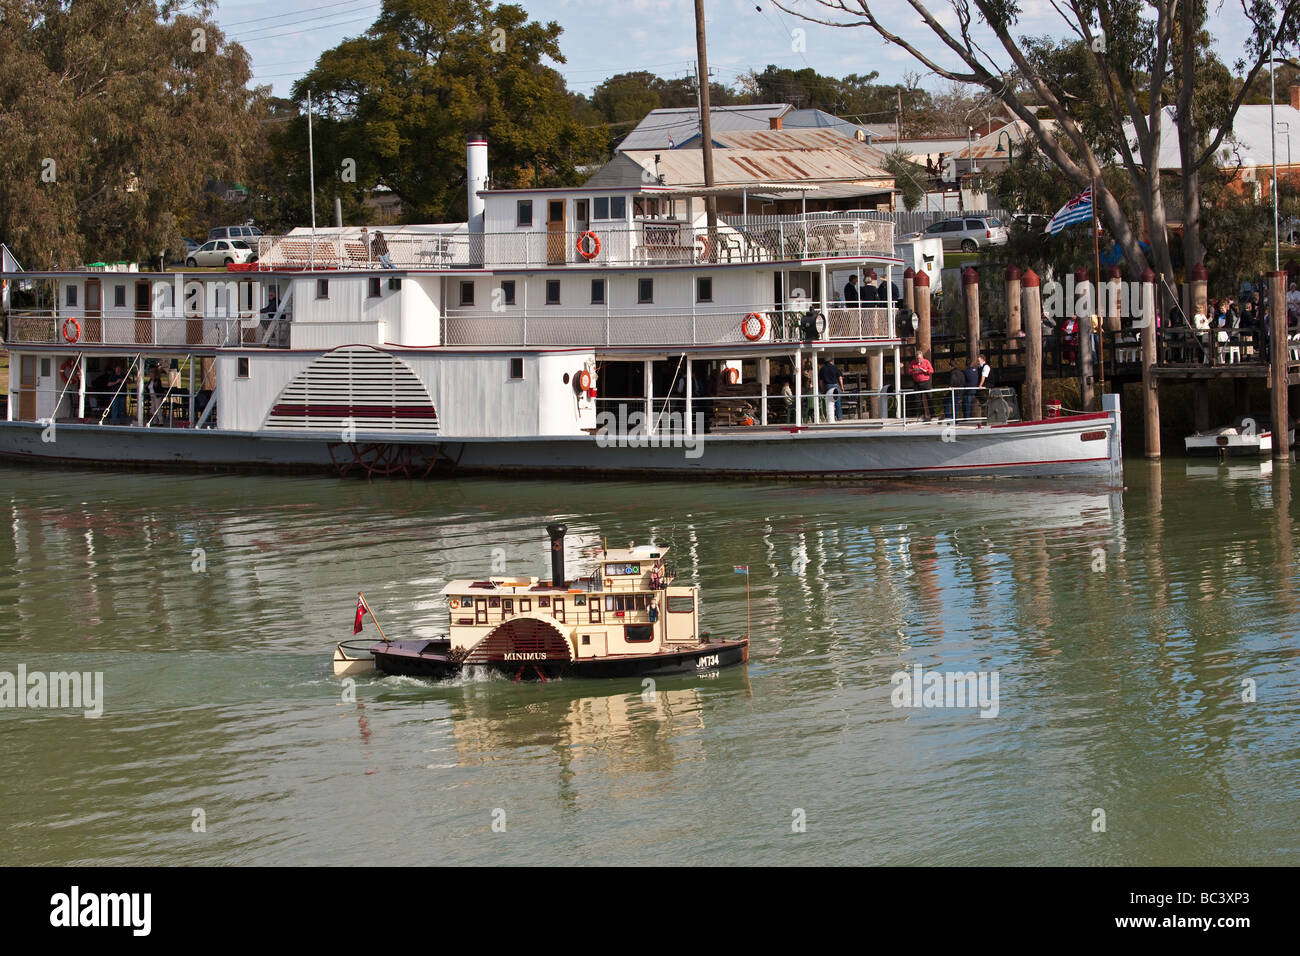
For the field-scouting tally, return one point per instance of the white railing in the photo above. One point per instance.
(553, 325)
(223, 330)
(647, 242)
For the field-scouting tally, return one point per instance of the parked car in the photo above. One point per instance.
(1289, 230)
(247, 233)
(188, 245)
(1031, 222)
(968, 234)
(220, 252)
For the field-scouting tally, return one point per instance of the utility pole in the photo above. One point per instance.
(706, 128)
(898, 134)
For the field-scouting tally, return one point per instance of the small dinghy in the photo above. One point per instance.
(624, 619)
(1247, 435)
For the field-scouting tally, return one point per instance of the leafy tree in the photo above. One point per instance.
(402, 100)
(113, 117)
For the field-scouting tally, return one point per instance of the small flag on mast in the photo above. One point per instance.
(362, 610)
(741, 568)
(1078, 209)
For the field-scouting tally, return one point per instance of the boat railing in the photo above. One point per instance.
(702, 325)
(645, 242)
(212, 330)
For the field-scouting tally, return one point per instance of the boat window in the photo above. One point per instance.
(525, 605)
(242, 368)
(467, 293)
(70, 297)
(609, 602)
(507, 605)
(494, 602)
(617, 207)
(681, 604)
(552, 291)
(119, 297)
(597, 291)
(376, 287)
(645, 291)
(516, 369)
(600, 207)
(639, 633)
(508, 292)
(524, 212)
(543, 602)
(704, 289)
(322, 288)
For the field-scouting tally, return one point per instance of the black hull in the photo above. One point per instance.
(420, 660)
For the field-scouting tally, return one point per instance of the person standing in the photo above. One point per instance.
(832, 383)
(380, 249)
(956, 382)
(921, 372)
(851, 292)
(972, 375)
(985, 370)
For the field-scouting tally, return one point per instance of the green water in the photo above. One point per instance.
(1121, 628)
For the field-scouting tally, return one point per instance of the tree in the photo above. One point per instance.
(1131, 52)
(402, 100)
(114, 118)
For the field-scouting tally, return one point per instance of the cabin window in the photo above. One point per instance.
(639, 633)
(609, 207)
(645, 291)
(516, 369)
(467, 293)
(395, 283)
(600, 207)
(376, 287)
(241, 370)
(523, 213)
(586, 639)
(552, 291)
(597, 291)
(494, 602)
(525, 605)
(507, 605)
(119, 297)
(46, 365)
(70, 297)
(704, 289)
(681, 604)
(543, 602)
(508, 292)
(322, 288)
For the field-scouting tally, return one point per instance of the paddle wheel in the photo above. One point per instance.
(390, 459)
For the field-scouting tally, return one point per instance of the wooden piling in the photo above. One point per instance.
(1033, 320)
(970, 287)
(921, 282)
(1085, 340)
(1150, 397)
(1013, 310)
(1114, 299)
(909, 276)
(1280, 354)
(876, 379)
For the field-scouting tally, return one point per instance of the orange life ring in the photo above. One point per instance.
(733, 376)
(745, 327)
(584, 380)
(454, 603)
(70, 371)
(582, 246)
(76, 329)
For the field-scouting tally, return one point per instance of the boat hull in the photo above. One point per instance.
(1075, 446)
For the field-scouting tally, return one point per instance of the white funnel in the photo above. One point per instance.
(476, 169)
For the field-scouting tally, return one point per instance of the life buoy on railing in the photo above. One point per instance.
(583, 379)
(70, 371)
(753, 327)
(589, 245)
(454, 603)
(75, 334)
(732, 375)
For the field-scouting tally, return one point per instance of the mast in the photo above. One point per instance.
(706, 127)
(311, 167)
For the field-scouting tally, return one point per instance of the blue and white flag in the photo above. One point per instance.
(1078, 209)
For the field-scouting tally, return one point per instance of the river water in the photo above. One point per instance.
(1143, 643)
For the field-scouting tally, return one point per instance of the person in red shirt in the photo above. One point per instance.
(921, 372)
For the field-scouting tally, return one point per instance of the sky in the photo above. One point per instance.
(605, 37)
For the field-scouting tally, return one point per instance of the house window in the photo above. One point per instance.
(552, 291)
(524, 212)
(508, 292)
(467, 293)
(242, 369)
(645, 291)
(376, 287)
(639, 633)
(516, 369)
(322, 288)
(703, 289)
(597, 291)
(119, 297)
(70, 297)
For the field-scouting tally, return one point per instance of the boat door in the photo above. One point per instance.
(480, 611)
(27, 389)
(143, 312)
(558, 610)
(94, 331)
(557, 238)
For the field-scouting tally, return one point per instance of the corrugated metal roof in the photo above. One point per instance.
(803, 140)
(746, 167)
(1248, 145)
(655, 129)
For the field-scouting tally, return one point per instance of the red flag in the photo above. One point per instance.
(361, 611)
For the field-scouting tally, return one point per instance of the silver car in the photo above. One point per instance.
(220, 252)
(968, 233)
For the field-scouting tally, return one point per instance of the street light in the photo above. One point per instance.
(970, 150)
(1272, 127)
(1011, 148)
(1289, 170)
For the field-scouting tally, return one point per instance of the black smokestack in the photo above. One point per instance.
(557, 532)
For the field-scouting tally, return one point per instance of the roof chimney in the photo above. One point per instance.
(774, 122)
(1295, 96)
